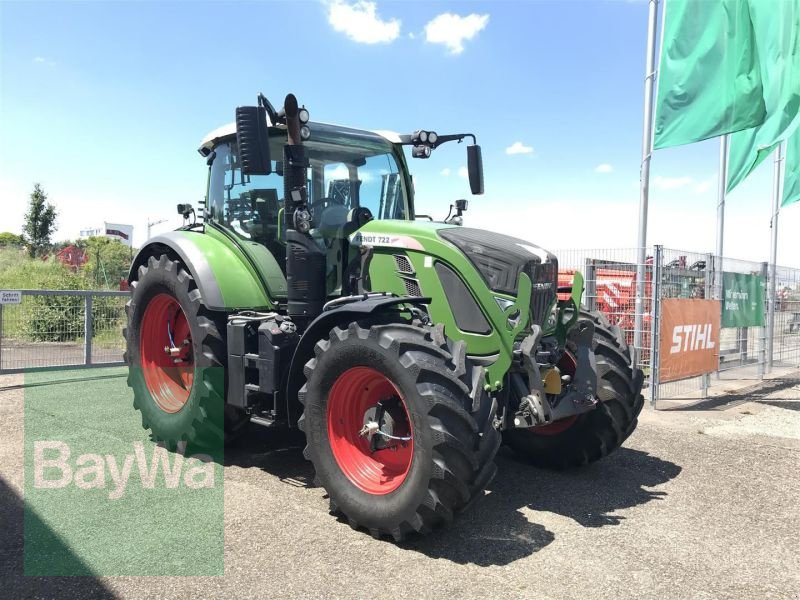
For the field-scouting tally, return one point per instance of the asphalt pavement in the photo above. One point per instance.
(698, 504)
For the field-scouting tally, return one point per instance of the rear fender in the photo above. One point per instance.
(225, 279)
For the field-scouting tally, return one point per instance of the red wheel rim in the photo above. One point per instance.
(567, 366)
(168, 377)
(352, 395)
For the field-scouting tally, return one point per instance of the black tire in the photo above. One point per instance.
(594, 434)
(204, 419)
(451, 415)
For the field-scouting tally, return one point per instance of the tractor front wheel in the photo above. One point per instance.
(579, 440)
(398, 426)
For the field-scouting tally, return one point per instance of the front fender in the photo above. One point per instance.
(319, 329)
(224, 277)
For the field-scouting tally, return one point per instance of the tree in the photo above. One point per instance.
(10, 239)
(109, 261)
(40, 222)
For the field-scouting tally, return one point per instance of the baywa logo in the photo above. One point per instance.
(688, 338)
(54, 469)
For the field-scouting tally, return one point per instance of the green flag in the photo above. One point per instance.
(709, 79)
(777, 32)
(791, 173)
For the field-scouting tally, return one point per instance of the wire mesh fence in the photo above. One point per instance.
(50, 328)
(785, 340)
(744, 352)
(610, 287)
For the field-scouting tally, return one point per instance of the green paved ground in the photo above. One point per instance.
(81, 434)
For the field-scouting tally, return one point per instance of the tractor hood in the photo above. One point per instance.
(495, 259)
(500, 259)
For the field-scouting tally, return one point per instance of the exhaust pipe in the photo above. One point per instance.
(305, 262)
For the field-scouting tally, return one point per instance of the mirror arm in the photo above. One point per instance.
(459, 137)
(408, 140)
(271, 112)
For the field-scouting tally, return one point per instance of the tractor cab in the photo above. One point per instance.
(352, 177)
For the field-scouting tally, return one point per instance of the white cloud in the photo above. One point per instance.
(672, 183)
(445, 172)
(679, 183)
(360, 22)
(603, 168)
(703, 186)
(462, 172)
(453, 30)
(39, 59)
(519, 148)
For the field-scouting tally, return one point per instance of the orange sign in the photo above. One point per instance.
(689, 338)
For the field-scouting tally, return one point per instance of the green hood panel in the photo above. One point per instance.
(423, 248)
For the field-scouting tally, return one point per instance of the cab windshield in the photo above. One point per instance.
(347, 169)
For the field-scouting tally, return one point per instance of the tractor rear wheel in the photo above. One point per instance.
(176, 354)
(398, 426)
(577, 441)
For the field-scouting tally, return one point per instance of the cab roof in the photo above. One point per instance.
(229, 130)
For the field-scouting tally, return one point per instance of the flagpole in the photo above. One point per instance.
(644, 178)
(723, 179)
(773, 255)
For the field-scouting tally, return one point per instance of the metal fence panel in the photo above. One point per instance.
(62, 328)
(670, 273)
(51, 328)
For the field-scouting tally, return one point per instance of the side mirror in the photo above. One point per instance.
(475, 169)
(252, 138)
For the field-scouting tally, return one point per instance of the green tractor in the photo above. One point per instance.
(308, 294)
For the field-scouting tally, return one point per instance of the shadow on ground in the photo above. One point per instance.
(15, 583)
(495, 530)
(277, 451)
(753, 393)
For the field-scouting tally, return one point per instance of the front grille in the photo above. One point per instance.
(402, 264)
(500, 259)
(412, 286)
(543, 290)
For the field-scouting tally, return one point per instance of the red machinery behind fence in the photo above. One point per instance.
(615, 296)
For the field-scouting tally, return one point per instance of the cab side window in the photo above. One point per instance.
(247, 205)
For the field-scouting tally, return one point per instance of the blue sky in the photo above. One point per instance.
(105, 103)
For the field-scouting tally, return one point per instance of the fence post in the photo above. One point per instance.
(1, 337)
(709, 292)
(762, 346)
(655, 325)
(591, 285)
(87, 330)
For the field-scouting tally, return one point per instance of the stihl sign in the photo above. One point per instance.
(689, 338)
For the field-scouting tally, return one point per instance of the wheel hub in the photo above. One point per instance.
(369, 430)
(166, 354)
(380, 423)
